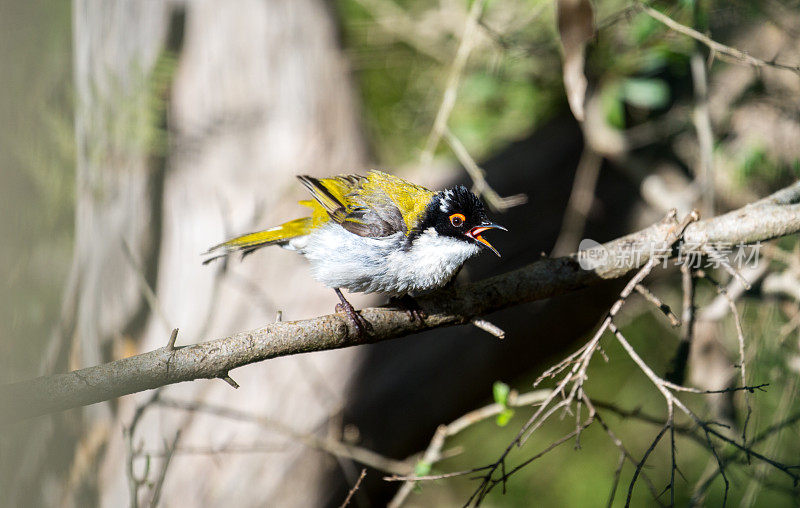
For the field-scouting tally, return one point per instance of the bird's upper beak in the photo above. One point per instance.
(475, 234)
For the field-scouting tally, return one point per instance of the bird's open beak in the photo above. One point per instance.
(475, 234)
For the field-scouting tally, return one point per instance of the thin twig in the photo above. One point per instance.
(453, 78)
(489, 327)
(331, 446)
(433, 453)
(478, 175)
(705, 135)
(641, 463)
(134, 482)
(740, 337)
(580, 202)
(172, 338)
(168, 453)
(737, 55)
(660, 305)
(354, 489)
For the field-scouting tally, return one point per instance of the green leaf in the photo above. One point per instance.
(504, 417)
(645, 93)
(501, 391)
(611, 102)
(422, 468)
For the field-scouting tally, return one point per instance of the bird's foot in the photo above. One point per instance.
(363, 328)
(411, 306)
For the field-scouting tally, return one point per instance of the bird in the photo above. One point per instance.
(377, 233)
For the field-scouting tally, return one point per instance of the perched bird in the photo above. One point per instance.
(378, 233)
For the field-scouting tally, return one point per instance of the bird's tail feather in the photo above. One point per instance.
(248, 243)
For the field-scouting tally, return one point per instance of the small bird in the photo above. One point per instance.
(377, 233)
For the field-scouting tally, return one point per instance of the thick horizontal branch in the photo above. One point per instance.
(772, 217)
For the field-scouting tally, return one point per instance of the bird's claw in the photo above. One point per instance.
(363, 328)
(411, 306)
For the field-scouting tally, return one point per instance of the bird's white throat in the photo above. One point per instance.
(341, 259)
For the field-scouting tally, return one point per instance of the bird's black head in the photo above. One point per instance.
(458, 213)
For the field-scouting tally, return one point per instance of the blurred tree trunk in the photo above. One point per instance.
(191, 122)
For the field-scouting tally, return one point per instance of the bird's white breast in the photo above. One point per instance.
(341, 259)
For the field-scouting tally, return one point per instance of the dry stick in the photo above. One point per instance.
(701, 488)
(737, 55)
(672, 401)
(660, 305)
(580, 360)
(133, 482)
(144, 286)
(784, 403)
(526, 462)
(478, 176)
(705, 136)
(641, 463)
(169, 451)
(354, 489)
(453, 78)
(615, 481)
(740, 337)
(328, 445)
(488, 327)
(210, 450)
(433, 453)
(625, 454)
(772, 217)
(580, 202)
(681, 358)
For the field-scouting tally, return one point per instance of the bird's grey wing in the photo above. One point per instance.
(378, 217)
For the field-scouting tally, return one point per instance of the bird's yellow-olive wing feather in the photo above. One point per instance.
(375, 205)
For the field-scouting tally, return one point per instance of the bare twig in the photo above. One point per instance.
(705, 136)
(580, 202)
(134, 482)
(169, 452)
(172, 338)
(328, 445)
(478, 175)
(453, 78)
(660, 305)
(144, 286)
(678, 372)
(737, 56)
(434, 451)
(641, 463)
(354, 489)
(740, 336)
(228, 379)
(489, 327)
(625, 454)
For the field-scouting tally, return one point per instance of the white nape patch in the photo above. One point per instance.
(341, 259)
(446, 198)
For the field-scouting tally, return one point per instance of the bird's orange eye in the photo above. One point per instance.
(457, 219)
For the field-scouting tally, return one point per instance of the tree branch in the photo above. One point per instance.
(772, 217)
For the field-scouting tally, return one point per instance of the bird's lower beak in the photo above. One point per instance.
(475, 234)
